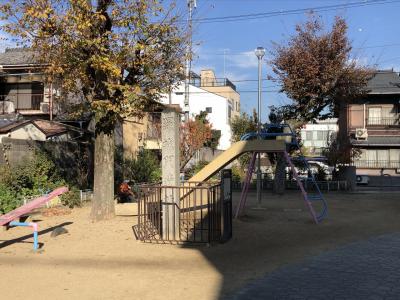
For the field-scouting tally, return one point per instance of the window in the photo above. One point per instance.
(229, 112)
(309, 135)
(374, 116)
(322, 135)
(209, 110)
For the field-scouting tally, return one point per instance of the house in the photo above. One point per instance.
(39, 130)
(316, 136)
(220, 86)
(213, 96)
(23, 88)
(371, 124)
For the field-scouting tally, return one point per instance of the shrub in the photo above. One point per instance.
(72, 198)
(237, 173)
(144, 168)
(9, 200)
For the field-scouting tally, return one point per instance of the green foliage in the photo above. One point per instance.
(190, 172)
(238, 173)
(35, 177)
(72, 198)
(214, 140)
(9, 200)
(242, 125)
(144, 168)
(31, 178)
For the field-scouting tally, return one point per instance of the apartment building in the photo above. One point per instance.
(317, 136)
(372, 125)
(219, 108)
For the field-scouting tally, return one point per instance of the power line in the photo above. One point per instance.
(253, 16)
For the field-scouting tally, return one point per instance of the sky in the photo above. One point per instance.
(228, 47)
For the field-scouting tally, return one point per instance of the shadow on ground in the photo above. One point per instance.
(283, 233)
(22, 239)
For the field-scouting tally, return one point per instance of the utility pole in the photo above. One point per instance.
(191, 5)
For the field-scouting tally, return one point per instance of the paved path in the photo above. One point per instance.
(364, 270)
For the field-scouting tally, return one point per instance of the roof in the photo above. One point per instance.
(384, 82)
(17, 56)
(49, 128)
(378, 141)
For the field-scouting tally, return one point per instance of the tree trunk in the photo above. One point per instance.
(103, 198)
(280, 174)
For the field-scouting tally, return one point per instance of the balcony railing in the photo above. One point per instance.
(212, 82)
(379, 121)
(376, 164)
(25, 101)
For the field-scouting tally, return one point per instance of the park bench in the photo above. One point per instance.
(9, 219)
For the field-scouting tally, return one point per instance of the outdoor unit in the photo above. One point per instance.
(44, 107)
(361, 133)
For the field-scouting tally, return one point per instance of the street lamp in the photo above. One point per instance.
(260, 52)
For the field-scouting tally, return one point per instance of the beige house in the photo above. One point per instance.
(220, 86)
(141, 133)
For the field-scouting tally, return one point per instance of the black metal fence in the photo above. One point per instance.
(192, 212)
(329, 185)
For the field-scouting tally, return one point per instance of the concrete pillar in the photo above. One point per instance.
(170, 123)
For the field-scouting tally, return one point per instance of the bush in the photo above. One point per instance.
(31, 178)
(144, 168)
(238, 173)
(72, 198)
(9, 200)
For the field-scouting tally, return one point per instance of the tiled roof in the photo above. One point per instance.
(13, 125)
(384, 82)
(377, 141)
(49, 128)
(17, 56)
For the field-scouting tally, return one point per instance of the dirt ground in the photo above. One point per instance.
(104, 261)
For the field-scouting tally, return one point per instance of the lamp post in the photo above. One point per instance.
(260, 52)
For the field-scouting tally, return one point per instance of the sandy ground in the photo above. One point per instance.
(104, 261)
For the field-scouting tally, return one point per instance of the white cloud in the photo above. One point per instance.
(244, 60)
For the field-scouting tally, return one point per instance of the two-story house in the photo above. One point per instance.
(23, 89)
(371, 123)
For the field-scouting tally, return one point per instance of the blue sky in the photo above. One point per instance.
(373, 30)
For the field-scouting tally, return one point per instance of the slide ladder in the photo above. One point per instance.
(314, 195)
(275, 131)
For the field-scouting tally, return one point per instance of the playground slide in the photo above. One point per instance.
(235, 151)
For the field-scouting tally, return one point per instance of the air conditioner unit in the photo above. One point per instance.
(361, 133)
(45, 107)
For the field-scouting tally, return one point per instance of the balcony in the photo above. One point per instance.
(380, 121)
(216, 82)
(376, 164)
(21, 102)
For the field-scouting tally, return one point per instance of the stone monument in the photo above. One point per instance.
(170, 123)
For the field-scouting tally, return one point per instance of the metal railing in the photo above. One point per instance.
(180, 214)
(379, 121)
(327, 186)
(212, 82)
(23, 101)
(376, 164)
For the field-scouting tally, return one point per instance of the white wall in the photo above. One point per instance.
(328, 125)
(199, 100)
